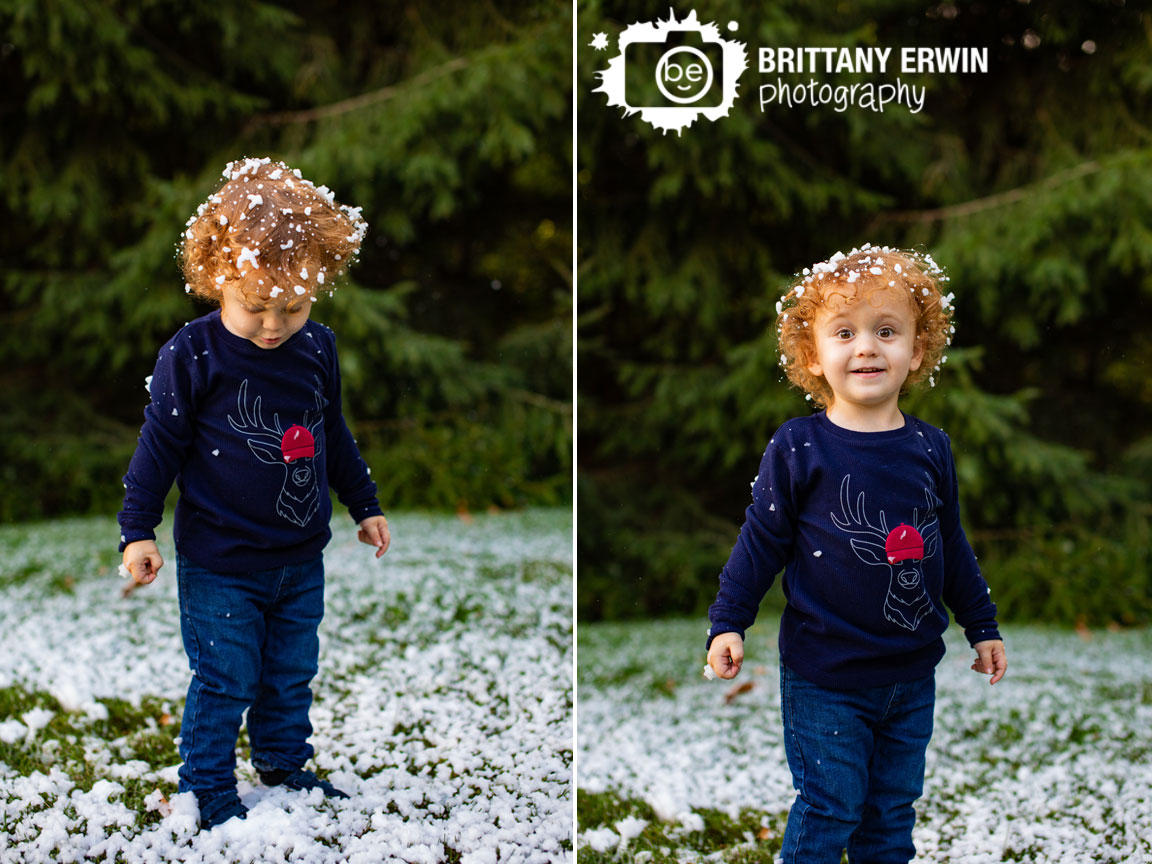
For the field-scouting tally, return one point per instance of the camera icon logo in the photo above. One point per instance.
(672, 72)
(683, 69)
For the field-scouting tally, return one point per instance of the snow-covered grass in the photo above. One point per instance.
(1053, 764)
(443, 703)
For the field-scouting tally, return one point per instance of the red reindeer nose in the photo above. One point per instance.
(297, 443)
(904, 543)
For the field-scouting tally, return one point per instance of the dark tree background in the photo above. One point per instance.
(1032, 184)
(449, 123)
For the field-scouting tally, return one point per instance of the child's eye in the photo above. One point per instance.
(844, 333)
(886, 332)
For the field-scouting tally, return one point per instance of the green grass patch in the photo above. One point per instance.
(30, 557)
(83, 746)
(753, 835)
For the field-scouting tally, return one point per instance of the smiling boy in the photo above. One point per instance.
(865, 351)
(858, 505)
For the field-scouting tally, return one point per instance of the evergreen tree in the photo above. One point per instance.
(448, 123)
(1030, 183)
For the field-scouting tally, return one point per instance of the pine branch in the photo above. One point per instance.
(540, 401)
(364, 100)
(562, 269)
(1000, 199)
(507, 25)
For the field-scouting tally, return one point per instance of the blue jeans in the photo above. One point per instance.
(251, 641)
(857, 761)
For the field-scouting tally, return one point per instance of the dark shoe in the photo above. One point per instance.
(302, 780)
(219, 806)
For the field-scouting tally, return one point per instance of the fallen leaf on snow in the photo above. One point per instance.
(731, 695)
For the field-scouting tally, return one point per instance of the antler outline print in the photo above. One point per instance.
(859, 517)
(263, 440)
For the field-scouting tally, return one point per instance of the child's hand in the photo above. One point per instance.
(374, 532)
(726, 655)
(990, 659)
(142, 560)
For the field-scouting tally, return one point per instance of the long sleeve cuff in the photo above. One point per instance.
(364, 511)
(981, 632)
(131, 535)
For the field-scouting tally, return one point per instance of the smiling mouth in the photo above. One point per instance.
(871, 370)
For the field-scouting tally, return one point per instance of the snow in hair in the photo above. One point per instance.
(268, 226)
(853, 278)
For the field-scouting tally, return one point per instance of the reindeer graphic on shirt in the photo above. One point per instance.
(294, 449)
(902, 550)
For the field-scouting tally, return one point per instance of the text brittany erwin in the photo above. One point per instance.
(862, 60)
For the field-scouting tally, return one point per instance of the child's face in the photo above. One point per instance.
(267, 324)
(865, 350)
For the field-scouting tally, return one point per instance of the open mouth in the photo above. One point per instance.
(870, 370)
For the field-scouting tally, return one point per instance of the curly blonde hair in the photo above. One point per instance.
(854, 278)
(275, 233)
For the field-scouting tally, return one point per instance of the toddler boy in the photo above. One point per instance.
(858, 506)
(246, 417)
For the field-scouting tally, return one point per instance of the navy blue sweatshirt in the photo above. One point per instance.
(866, 527)
(253, 438)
